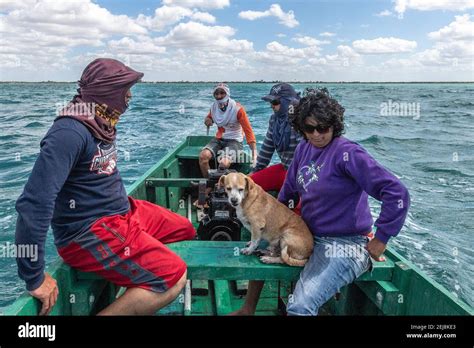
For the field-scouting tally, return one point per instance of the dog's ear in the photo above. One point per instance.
(249, 183)
(221, 181)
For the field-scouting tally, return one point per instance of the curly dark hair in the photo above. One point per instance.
(321, 106)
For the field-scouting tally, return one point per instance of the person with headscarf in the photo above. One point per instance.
(280, 138)
(231, 120)
(75, 187)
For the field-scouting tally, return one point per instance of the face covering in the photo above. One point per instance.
(101, 97)
(223, 115)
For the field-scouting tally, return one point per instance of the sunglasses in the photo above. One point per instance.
(275, 102)
(308, 128)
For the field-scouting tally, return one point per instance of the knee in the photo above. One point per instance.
(225, 162)
(205, 156)
(189, 231)
(174, 291)
(302, 306)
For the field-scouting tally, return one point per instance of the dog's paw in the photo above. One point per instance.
(246, 251)
(267, 259)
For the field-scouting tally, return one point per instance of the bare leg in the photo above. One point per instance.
(204, 157)
(251, 299)
(138, 301)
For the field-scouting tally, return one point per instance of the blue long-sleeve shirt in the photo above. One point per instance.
(334, 183)
(74, 182)
(268, 149)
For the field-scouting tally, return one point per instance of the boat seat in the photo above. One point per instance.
(219, 260)
(189, 152)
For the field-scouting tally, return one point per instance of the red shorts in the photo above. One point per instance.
(272, 179)
(129, 250)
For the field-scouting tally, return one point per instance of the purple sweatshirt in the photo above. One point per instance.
(334, 183)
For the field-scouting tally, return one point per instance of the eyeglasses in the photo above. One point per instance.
(308, 128)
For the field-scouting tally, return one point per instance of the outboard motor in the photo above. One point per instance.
(220, 220)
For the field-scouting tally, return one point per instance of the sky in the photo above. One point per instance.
(241, 40)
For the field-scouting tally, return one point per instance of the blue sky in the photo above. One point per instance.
(339, 40)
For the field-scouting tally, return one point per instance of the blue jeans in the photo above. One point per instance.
(335, 262)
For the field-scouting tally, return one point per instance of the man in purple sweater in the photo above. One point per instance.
(333, 177)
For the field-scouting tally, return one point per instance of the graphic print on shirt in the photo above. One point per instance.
(308, 174)
(105, 159)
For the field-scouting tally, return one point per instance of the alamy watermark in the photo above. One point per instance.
(79, 109)
(404, 109)
(336, 250)
(239, 156)
(26, 251)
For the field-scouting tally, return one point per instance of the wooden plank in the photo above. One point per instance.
(384, 295)
(218, 260)
(223, 261)
(380, 271)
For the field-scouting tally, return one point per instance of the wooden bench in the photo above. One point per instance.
(218, 260)
(221, 261)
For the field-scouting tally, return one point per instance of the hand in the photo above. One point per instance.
(376, 248)
(208, 121)
(254, 159)
(47, 293)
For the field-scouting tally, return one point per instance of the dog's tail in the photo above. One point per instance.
(291, 260)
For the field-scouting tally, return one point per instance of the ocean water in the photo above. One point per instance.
(432, 152)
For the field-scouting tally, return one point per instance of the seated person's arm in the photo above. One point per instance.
(59, 153)
(382, 185)
(289, 193)
(266, 151)
(249, 135)
(208, 120)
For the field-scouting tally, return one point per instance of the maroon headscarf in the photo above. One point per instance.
(103, 85)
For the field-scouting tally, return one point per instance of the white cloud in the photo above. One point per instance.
(402, 6)
(280, 35)
(286, 18)
(281, 55)
(203, 17)
(169, 15)
(385, 13)
(453, 43)
(127, 45)
(192, 35)
(345, 57)
(461, 29)
(327, 34)
(453, 49)
(310, 41)
(384, 45)
(38, 35)
(206, 4)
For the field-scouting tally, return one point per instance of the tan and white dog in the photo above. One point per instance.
(290, 240)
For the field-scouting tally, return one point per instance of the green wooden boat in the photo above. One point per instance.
(219, 274)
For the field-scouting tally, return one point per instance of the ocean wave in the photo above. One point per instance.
(435, 167)
(35, 124)
(379, 139)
